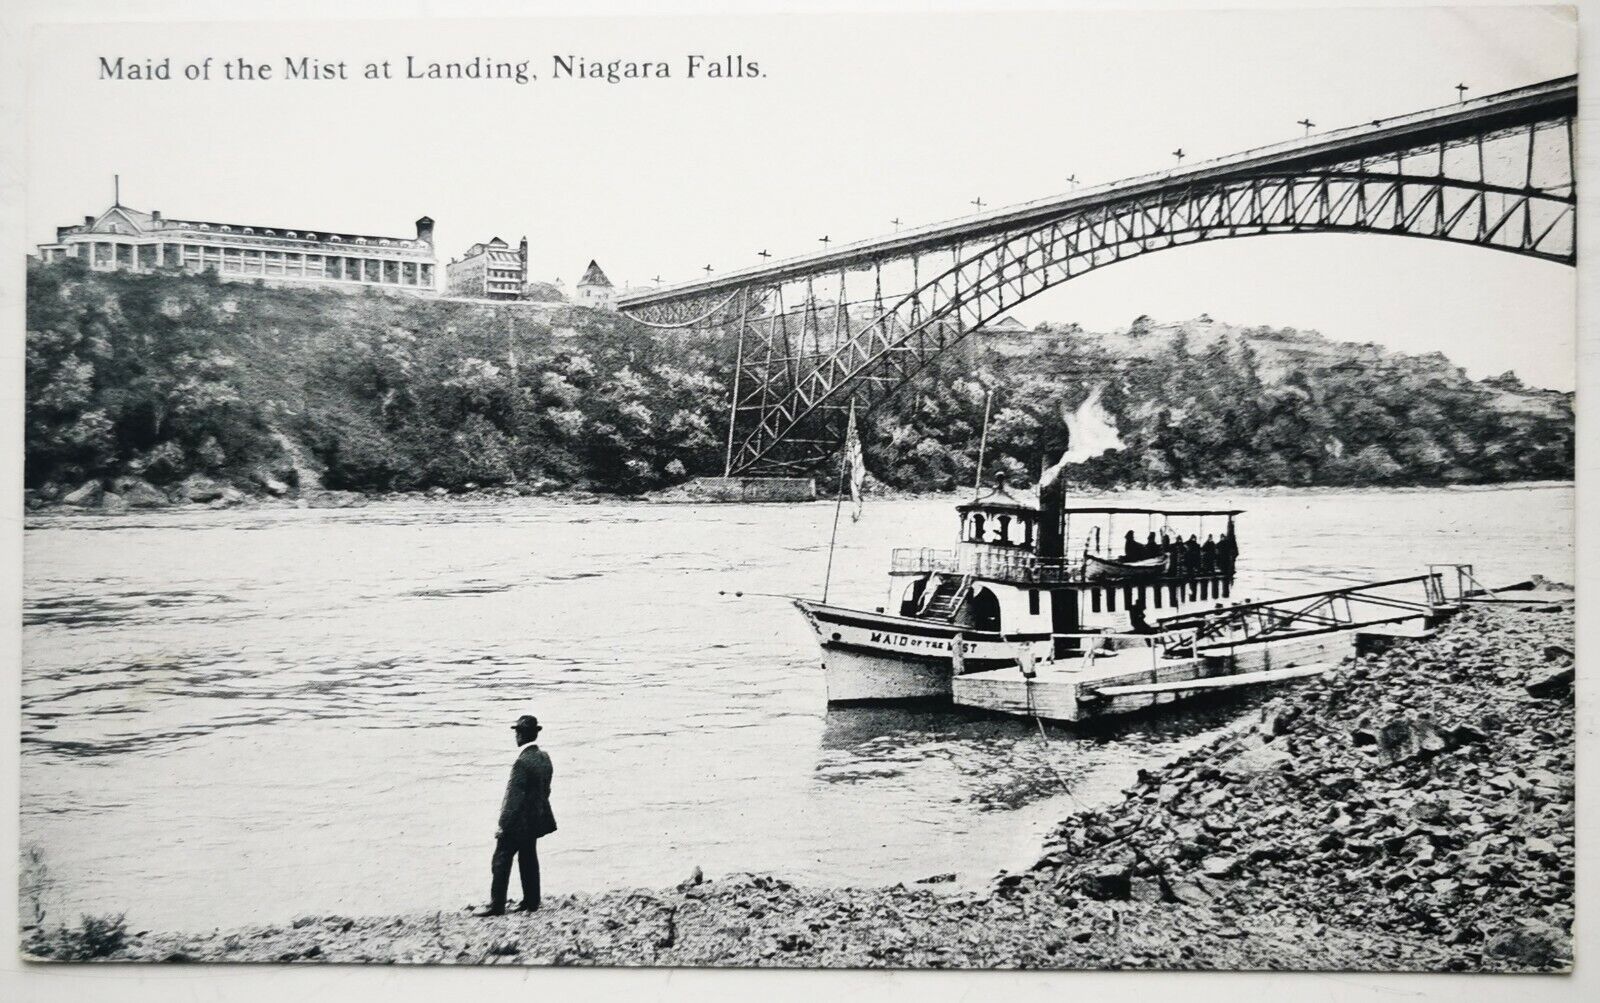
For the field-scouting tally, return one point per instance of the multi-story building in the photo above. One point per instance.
(595, 290)
(124, 239)
(490, 270)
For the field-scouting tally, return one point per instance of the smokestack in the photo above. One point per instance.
(155, 215)
(1052, 497)
(88, 221)
(425, 230)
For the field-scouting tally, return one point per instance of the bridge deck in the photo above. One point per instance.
(1439, 124)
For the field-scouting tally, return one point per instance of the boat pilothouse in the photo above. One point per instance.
(1031, 579)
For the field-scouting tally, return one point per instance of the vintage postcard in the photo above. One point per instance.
(1067, 490)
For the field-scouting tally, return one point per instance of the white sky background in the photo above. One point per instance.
(858, 119)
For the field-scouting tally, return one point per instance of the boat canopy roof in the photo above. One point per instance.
(1000, 500)
(1129, 510)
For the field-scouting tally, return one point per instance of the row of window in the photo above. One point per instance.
(198, 258)
(1154, 596)
(293, 235)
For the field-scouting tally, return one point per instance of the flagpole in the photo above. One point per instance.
(838, 503)
(983, 442)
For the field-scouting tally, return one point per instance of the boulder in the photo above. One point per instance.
(1555, 682)
(1219, 867)
(138, 492)
(1108, 882)
(199, 488)
(1531, 945)
(112, 503)
(270, 484)
(335, 499)
(85, 495)
(1404, 738)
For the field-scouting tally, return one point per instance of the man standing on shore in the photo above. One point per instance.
(524, 816)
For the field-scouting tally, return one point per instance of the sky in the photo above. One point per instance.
(852, 121)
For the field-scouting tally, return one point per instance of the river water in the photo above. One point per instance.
(243, 716)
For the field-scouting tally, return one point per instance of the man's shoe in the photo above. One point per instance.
(490, 911)
(525, 907)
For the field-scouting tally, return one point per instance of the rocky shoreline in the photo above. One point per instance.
(1411, 810)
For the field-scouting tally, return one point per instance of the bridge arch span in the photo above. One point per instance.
(899, 342)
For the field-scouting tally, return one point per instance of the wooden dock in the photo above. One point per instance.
(1233, 647)
(1136, 678)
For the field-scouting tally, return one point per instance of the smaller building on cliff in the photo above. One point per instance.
(595, 290)
(490, 270)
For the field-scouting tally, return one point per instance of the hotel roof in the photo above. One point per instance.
(147, 222)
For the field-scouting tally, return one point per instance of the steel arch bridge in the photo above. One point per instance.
(856, 324)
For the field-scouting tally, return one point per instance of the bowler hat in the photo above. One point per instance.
(527, 722)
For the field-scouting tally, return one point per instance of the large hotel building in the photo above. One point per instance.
(123, 239)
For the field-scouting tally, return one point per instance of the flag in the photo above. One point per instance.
(858, 465)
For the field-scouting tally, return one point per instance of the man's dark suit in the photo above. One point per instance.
(524, 816)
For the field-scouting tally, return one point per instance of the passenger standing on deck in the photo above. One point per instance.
(525, 815)
(1131, 550)
(1208, 555)
(1191, 555)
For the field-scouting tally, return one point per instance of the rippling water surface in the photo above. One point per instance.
(232, 717)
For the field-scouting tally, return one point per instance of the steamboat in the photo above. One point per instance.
(1031, 579)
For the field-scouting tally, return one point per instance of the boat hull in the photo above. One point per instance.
(873, 657)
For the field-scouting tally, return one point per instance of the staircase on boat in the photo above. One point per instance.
(947, 598)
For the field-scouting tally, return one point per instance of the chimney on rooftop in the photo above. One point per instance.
(88, 221)
(155, 214)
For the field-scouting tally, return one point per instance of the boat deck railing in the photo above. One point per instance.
(1021, 569)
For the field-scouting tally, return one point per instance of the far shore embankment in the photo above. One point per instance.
(1411, 810)
(201, 494)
